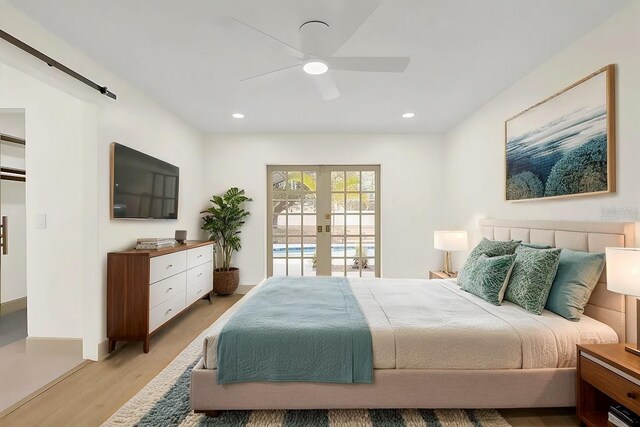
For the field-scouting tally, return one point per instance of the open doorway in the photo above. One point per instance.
(13, 253)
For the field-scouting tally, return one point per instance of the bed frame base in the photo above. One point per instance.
(394, 388)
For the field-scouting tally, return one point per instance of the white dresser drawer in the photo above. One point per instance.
(166, 289)
(167, 265)
(199, 274)
(198, 256)
(165, 311)
(196, 292)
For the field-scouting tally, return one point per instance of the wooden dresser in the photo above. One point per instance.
(147, 288)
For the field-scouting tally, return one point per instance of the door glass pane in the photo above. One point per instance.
(278, 225)
(353, 224)
(309, 180)
(309, 203)
(309, 266)
(337, 202)
(353, 202)
(294, 203)
(294, 181)
(368, 202)
(368, 225)
(309, 225)
(353, 181)
(278, 180)
(369, 269)
(337, 181)
(279, 247)
(309, 247)
(295, 267)
(368, 181)
(337, 224)
(294, 245)
(338, 267)
(279, 267)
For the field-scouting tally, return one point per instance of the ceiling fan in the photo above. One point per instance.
(315, 58)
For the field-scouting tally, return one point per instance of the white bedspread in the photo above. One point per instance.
(433, 324)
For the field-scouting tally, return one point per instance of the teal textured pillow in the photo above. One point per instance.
(490, 248)
(489, 277)
(532, 277)
(577, 277)
(536, 246)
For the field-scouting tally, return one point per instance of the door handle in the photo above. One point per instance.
(319, 229)
(4, 235)
(327, 228)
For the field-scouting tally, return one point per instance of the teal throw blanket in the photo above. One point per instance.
(297, 329)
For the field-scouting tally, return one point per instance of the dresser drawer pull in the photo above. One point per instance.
(199, 256)
(199, 274)
(199, 290)
(632, 395)
(169, 289)
(168, 311)
(170, 266)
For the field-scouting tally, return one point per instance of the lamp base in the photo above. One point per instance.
(447, 263)
(635, 348)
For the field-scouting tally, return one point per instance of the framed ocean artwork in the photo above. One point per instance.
(564, 146)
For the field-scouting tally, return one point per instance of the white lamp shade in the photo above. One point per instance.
(450, 240)
(623, 270)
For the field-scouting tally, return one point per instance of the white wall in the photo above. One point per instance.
(70, 128)
(475, 156)
(411, 191)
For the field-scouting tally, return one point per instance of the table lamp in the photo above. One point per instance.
(623, 277)
(450, 241)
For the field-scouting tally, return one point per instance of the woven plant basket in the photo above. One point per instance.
(226, 282)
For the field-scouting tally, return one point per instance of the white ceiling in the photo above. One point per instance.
(190, 56)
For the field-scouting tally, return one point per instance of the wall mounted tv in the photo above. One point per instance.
(142, 187)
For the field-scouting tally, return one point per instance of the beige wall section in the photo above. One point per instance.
(78, 215)
(411, 189)
(475, 155)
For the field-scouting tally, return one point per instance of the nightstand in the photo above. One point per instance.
(606, 374)
(442, 275)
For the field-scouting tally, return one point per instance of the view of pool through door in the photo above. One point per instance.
(324, 220)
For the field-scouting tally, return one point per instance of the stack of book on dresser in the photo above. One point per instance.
(155, 243)
(622, 417)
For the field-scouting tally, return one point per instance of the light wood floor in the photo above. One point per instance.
(89, 396)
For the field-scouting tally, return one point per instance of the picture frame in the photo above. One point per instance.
(564, 146)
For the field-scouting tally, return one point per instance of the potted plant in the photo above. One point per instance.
(224, 218)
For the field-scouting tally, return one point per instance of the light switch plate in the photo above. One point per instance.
(41, 221)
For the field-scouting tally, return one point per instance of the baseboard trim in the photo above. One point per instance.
(13, 305)
(243, 289)
(103, 350)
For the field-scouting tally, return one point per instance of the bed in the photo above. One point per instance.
(474, 355)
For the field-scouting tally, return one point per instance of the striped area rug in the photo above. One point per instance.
(164, 402)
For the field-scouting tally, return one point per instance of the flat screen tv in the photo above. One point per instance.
(142, 187)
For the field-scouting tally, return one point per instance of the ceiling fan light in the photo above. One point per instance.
(237, 116)
(408, 115)
(315, 67)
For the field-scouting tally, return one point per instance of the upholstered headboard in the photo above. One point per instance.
(606, 306)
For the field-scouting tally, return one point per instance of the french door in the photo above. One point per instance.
(324, 220)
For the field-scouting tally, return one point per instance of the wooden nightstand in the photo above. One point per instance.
(606, 374)
(442, 275)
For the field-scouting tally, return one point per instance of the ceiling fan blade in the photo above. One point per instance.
(270, 72)
(379, 64)
(326, 86)
(345, 19)
(267, 35)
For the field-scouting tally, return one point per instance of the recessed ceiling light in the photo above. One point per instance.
(408, 115)
(237, 116)
(315, 67)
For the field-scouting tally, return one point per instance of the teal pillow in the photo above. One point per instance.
(577, 277)
(490, 248)
(536, 246)
(489, 277)
(532, 277)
